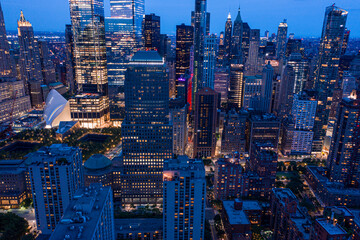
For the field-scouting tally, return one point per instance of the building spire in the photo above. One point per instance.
(229, 16)
(238, 17)
(22, 17)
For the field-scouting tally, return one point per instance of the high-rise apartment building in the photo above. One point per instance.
(301, 70)
(146, 130)
(55, 175)
(327, 71)
(151, 32)
(264, 128)
(343, 160)
(228, 180)
(281, 39)
(298, 128)
(94, 204)
(207, 103)
(263, 161)
(210, 50)
(178, 117)
(184, 199)
(91, 104)
(233, 137)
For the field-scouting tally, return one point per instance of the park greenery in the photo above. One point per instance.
(47, 137)
(12, 227)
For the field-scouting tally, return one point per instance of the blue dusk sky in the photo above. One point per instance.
(305, 17)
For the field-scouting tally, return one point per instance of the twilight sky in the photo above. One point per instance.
(305, 17)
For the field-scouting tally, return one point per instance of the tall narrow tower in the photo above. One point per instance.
(91, 104)
(328, 68)
(5, 60)
(281, 39)
(199, 36)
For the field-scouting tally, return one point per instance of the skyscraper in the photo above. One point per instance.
(6, 69)
(47, 66)
(207, 101)
(210, 50)
(236, 40)
(91, 104)
(228, 35)
(281, 39)
(184, 199)
(70, 64)
(252, 63)
(236, 85)
(184, 41)
(55, 174)
(245, 42)
(151, 32)
(178, 116)
(131, 10)
(199, 36)
(293, 46)
(301, 71)
(146, 130)
(343, 160)
(29, 62)
(266, 87)
(328, 66)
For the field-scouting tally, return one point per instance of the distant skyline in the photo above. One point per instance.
(305, 17)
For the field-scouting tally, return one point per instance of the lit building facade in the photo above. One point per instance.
(6, 68)
(55, 175)
(13, 99)
(343, 160)
(184, 199)
(146, 130)
(221, 83)
(233, 137)
(236, 85)
(281, 39)
(210, 51)
(151, 32)
(178, 117)
(327, 70)
(207, 103)
(93, 203)
(252, 91)
(91, 104)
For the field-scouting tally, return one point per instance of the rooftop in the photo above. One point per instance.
(137, 225)
(237, 216)
(65, 126)
(146, 56)
(82, 215)
(332, 229)
(97, 162)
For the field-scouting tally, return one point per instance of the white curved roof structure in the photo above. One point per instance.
(57, 109)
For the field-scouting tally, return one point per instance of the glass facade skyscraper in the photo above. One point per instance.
(328, 67)
(281, 39)
(91, 104)
(123, 39)
(146, 130)
(133, 10)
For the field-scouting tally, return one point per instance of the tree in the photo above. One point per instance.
(12, 226)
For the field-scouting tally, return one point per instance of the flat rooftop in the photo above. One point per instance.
(330, 227)
(239, 216)
(82, 215)
(131, 225)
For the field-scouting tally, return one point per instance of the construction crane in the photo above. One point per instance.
(7, 132)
